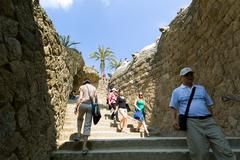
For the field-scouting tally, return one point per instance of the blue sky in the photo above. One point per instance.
(126, 26)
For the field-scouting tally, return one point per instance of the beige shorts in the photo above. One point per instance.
(122, 113)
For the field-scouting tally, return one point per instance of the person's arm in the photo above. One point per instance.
(173, 109)
(210, 108)
(135, 104)
(79, 101)
(174, 118)
(209, 101)
(96, 97)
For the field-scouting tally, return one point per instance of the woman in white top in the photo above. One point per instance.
(84, 106)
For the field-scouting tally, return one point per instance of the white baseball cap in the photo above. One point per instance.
(185, 70)
(114, 89)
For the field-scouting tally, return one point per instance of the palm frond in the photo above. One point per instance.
(103, 54)
(66, 42)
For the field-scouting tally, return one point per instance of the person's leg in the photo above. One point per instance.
(88, 120)
(112, 113)
(121, 118)
(125, 123)
(124, 115)
(84, 147)
(87, 126)
(139, 126)
(145, 128)
(219, 144)
(197, 141)
(80, 120)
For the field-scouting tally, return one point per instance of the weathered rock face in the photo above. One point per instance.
(138, 76)
(62, 65)
(37, 74)
(75, 64)
(205, 37)
(27, 129)
(87, 72)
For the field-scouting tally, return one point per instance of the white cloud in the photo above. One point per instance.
(106, 2)
(63, 4)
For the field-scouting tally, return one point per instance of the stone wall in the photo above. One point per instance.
(37, 75)
(27, 129)
(205, 37)
(87, 72)
(61, 64)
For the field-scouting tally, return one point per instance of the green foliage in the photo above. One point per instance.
(114, 64)
(102, 55)
(65, 40)
(67, 43)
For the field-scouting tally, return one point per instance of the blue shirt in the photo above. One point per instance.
(200, 102)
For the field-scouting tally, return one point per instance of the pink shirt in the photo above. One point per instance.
(112, 98)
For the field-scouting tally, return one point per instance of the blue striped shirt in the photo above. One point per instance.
(200, 103)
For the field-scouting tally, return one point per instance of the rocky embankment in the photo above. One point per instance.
(37, 75)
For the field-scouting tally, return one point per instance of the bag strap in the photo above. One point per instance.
(190, 101)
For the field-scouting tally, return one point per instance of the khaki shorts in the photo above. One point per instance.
(122, 113)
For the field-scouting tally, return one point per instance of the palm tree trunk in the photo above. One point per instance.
(102, 67)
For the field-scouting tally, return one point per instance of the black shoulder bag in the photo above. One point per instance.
(95, 110)
(182, 119)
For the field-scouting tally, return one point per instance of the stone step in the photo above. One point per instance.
(129, 154)
(147, 142)
(73, 128)
(100, 123)
(70, 116)
(106, 127)
(104, 134)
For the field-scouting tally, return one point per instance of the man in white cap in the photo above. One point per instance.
(202, 130)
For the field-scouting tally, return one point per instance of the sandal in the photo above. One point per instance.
(85, 151)
(147, 134)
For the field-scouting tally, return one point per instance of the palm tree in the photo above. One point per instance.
(65, 40)
(103, 54)
(67, 43)
(114, 64)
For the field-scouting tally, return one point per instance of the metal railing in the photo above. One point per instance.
(230, 98)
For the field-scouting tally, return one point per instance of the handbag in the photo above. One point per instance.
(138, 115)
(95, 110)
(96, 113)
(182, 118)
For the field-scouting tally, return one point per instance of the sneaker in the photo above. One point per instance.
(85, 151)
(125, 130)
(76, 139)
(112, 116)
(119, 128)
(147, 134)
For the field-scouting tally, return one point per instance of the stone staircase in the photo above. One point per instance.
(106, 142)
(105, 129)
